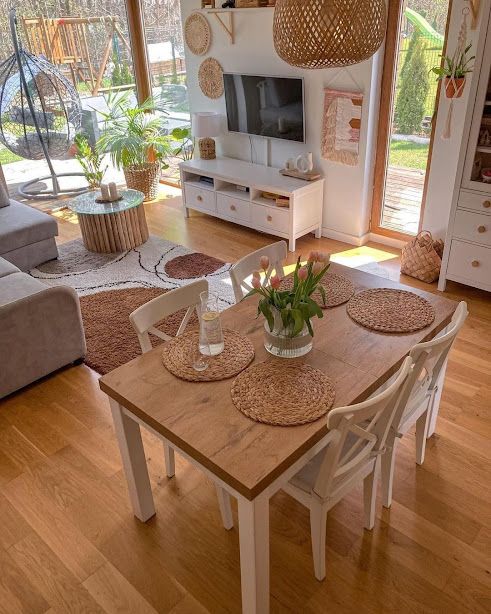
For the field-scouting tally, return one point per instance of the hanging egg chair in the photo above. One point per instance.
(328, 33)
(40, 114)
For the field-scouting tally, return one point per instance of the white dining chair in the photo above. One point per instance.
(143, 321)
(425, 384)
(352, 456)
(241, 272)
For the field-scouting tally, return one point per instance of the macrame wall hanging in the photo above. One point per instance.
(454, 85)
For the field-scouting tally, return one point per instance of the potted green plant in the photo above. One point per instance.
(288, 311)
(136, 139)
(453, 71)
(90, 160)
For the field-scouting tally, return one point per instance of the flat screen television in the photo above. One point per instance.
(272, 107)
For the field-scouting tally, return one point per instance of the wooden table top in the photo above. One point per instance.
(201, 419)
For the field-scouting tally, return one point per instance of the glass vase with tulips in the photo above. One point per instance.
(288, 311)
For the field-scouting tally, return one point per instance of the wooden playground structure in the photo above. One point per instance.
(64, 42)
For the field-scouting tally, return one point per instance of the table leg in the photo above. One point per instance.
(134, 462)
(254, 554)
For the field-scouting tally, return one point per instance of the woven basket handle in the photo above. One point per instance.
(424, 237)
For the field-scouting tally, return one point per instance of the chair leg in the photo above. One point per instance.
(225, 507)
(170, 464)
(318, 520)
(370, 495)
(388, 463)
(422, 425)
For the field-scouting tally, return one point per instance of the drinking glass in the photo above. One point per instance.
(210, 331)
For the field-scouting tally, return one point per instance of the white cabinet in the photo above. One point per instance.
(244, 193)
(467, 256)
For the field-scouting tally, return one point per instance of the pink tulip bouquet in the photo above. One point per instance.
(295, 306)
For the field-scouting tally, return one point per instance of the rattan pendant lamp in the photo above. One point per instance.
(328, 33)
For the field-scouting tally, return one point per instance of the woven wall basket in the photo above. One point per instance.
(326, 33)
(210, 78)
(197, 34)
(143, 178)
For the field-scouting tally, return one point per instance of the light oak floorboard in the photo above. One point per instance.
(69, 542)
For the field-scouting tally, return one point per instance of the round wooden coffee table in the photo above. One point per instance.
(111, 227)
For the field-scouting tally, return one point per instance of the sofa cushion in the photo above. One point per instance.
(17, 286)
(6, 268)
(22, 225)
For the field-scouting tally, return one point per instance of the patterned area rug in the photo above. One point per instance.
(111, 286)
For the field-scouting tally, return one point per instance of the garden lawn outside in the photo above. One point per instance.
(406, 154)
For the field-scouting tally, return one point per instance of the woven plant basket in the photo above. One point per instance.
(143, 178)
(323, 33)
(422, 257)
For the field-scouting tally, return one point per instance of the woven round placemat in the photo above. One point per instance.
(179, 353)
(210, 78)
(283, 393)
(197, 34)
(391, 311)
(339, 290)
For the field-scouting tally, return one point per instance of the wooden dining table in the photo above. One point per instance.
(250, 460)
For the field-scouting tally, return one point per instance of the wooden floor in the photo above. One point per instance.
(402, 201)
(69, 542)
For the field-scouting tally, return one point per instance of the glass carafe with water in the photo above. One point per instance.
(210, 334)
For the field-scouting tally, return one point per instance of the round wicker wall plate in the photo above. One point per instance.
(178, 355)
(210, 77)
(339, 290)
(391, 311)
(197, 34)
(283, 393)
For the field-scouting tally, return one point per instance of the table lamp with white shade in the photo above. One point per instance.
(206, 125)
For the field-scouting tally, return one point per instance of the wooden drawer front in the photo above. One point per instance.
(476, 202)
(197, 198)
(471, 262)
(270, 219)
(473, 227)
(234, 208)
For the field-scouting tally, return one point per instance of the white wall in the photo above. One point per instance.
(347, 200)
(445, 156)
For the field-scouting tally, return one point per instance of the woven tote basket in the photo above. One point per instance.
(422, 257)
(323, 33)
(143, 178)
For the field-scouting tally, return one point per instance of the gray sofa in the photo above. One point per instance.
(27, 236)
(40, 328)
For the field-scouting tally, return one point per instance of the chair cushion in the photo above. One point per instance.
(17, 286)
(6, 268)
(22, 225)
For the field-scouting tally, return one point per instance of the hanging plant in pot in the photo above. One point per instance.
(135, 137)
(453, 72)
(288, 330)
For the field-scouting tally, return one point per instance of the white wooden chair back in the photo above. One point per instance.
(429, 359)
(367, 425)
(145, 317)
(241, 272)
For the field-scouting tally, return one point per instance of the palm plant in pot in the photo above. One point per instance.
(288, 307)
(136, 139)
(454, 70)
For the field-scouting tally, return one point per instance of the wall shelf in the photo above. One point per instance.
(229, 25)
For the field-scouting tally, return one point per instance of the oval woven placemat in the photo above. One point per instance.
(178, 355)
(197, 34)
(283, 393)
(391, 311)
(339, 290)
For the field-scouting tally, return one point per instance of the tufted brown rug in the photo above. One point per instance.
(111, 340)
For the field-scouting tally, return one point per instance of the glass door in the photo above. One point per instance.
(415, 41)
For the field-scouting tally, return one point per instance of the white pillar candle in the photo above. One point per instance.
(113, 191)
(105, 191)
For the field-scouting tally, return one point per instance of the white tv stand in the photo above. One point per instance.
(222, 198)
